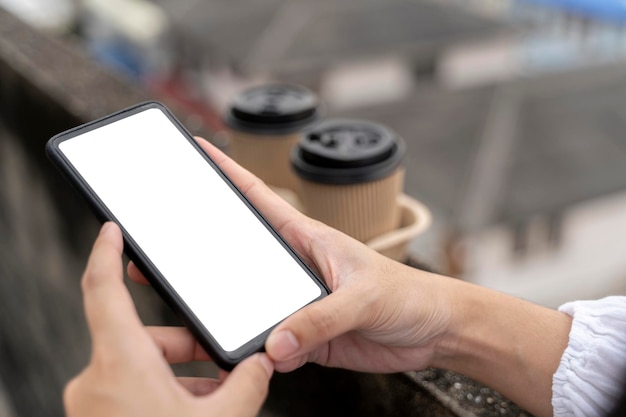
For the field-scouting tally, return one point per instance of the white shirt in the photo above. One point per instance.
(591, 374)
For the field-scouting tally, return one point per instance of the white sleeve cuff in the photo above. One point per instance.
(591, 374)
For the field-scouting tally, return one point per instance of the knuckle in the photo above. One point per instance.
(71, 394)
(111, 364)
(323, 320)
(89, 281)
(255, 185)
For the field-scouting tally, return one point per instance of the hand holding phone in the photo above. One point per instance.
(207, 251)
(126, 382)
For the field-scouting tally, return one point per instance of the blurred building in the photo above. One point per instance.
(553, 36)
(352, 53)
(486, 92)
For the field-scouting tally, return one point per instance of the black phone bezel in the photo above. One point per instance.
(224, 359)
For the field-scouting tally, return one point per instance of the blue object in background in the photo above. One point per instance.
(118, 55)
(610, 10)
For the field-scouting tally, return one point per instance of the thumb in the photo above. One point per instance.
(314, 325)
(245, 389)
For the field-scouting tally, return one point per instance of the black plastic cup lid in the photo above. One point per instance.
(273, 109)
(347, 152)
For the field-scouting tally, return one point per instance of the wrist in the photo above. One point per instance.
(507, 343)
(472, 332)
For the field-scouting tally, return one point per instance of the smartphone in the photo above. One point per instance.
(204, 247)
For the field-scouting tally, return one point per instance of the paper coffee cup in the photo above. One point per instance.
(265, 123)
(350, 176)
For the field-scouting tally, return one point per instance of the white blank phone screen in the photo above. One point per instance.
(215, 253)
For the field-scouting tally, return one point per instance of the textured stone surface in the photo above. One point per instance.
(464, 396)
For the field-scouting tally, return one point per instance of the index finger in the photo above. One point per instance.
(109, 308)
(274, 208)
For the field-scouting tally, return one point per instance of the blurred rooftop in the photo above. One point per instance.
(504, 153)
(284, 36)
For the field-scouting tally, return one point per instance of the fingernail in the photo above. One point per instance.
(282, 345)
(267, 364)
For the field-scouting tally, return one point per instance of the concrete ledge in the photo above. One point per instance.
(464, 396)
